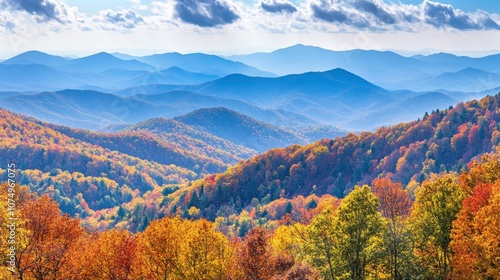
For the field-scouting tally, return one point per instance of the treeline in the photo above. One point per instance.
(445, 228)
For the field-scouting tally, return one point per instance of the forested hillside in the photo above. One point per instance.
(445, 228)
(441, 141)
(188, 138)
(88, 172)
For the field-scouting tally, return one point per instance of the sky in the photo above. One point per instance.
(139, 27)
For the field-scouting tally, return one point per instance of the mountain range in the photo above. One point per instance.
(385, 68)
(39, 71)
(336, 97)
(112, 72)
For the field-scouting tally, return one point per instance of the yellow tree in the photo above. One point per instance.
(172, 248)
(160, 249)
(11, 236)
(436, 207)
(206, 253)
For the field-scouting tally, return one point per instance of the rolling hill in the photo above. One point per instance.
(188, 138)
(150, 147)
(36, 57)
(101, 62)
(34, 77)
(32, 70)
(240, 129)
(468, 79)
(335, 97)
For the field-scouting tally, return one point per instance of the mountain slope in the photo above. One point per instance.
(468, 79)
(387, 69)
(179, 102)
(310, 84)
(376, 66)
(147, 146)
(444, 140)
(201, 63)
(34, 77)
(80, 109)
(82, 177)
(101, 62)
(240, 129)
(36, 57)
(332, 97)
(174, 76)
(190, 139)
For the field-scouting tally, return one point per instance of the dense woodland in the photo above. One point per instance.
(445, 228)
(415, 200)
(109, 183)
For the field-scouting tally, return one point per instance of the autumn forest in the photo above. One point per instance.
(416, 200)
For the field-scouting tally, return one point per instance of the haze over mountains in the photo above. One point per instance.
(351, 90)
(384, 68)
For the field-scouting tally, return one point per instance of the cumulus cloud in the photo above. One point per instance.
(205, 13)
(128, 19)
(45, 9)
(443, 15)
(377, 15)
(336, 12)
(277, 6)
(376, 9)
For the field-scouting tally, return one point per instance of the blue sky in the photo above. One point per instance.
(92, 6)
(492, 6)
(242, 26)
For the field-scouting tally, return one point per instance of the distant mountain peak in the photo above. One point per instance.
(102, 55)
(36, 57)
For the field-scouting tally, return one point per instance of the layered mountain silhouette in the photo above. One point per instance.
(335, 97)
(109, 72)
(385, 68)
(96, 110)
(352, 90)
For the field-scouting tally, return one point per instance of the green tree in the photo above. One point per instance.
(345, 244)
(320, 246)
(360, 228)
(436, 207)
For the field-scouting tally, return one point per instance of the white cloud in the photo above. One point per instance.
(113, 20)
(138, 5)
